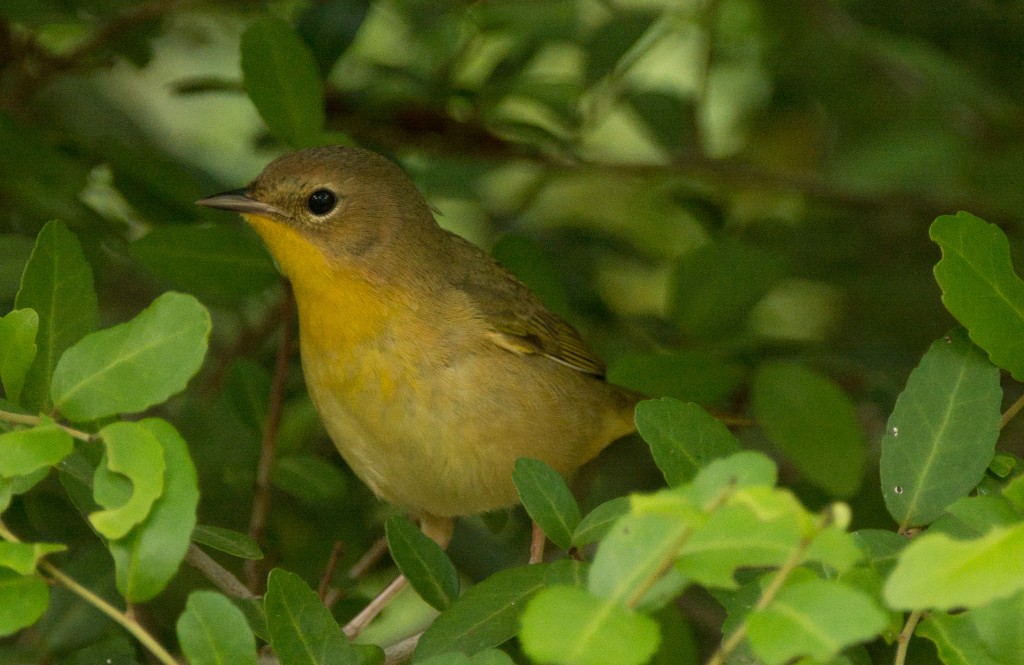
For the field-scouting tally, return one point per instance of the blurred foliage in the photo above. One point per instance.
(702, 187)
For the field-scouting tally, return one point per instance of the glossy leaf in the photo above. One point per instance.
(683, 437)
(484, 616)
(222, 263)
(23, 599)
(980, 288)
(568, 626)
(24, 451)
(57, 284)
(423, 563)
(813, 618)
(133, 453)
(942, 431)
(17, 350)
(282, 80)
(212, 631)
(547, 499)
(134, 365)
(227, 541)
(302, 630)
(814, 424)
(149, 556)
(937, 572)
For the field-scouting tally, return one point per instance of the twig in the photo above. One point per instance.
(332, 564)
(261, 500)
(401, 651)
(216, 573)
(119, 617)
(903, 641)
(1011, 412)
(358, 569)
(32, 421)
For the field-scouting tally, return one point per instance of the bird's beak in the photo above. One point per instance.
(238, 200)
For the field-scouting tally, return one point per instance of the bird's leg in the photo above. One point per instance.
(537, 540)
(439, 529)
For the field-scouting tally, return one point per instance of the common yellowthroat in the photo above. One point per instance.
(432, 367)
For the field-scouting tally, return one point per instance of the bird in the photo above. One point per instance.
(432, 367)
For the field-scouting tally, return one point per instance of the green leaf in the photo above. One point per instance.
(937, 572)
(715, 286)
(599, 521)
(485, 616)
(135, 454)
(739, 470)
(220, 264)
(957, 640)
(690, 375)
(23, 599)
(24, 451)
(309, 478)
(282, 80)
(423, 563)
(980, 288)
(57, 284)
(568, 626)
(23, 558)
(814, 424)
(17, 350)
(1001, 626)
(942, 431)
(330, 27)
(227, 541)
(132, 366)
(547, 499)
(247, 392)
(302, 630)
(683, 437)
(524, 257)
(640, 547)
(148, 557)
(212, 631)
(762, 531)
(813, 618)
(14, 253)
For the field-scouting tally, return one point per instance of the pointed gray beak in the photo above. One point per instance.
(238, 200)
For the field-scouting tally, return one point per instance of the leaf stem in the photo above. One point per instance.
(903, 641)
(119, 617)
(32, 421)
(772, 590)
(1011, 412)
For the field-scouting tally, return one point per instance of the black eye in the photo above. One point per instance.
(321, 202)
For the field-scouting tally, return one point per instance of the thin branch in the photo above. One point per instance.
(119, 617)
(903, 641)
(261, 500)
(33, 421)
(216, 573)
(1011, 412)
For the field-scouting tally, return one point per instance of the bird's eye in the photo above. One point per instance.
(321, 202)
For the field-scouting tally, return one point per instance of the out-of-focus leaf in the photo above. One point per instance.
(57, 284)
(942, 431)
(14, 253)
(957, 640)
(668, 117)
(247, 392)
(309, 478)
(134, 365)
(814, 423)
(609, 43)
(23, 599)
(714, 287)
(220, 264)
(521, 255)
(569, 626)
(814, 618)
(547, 499)
(329, 28)
(689, 375)
(937, 572)
(227, 541)
(283, 81)
(683, 437)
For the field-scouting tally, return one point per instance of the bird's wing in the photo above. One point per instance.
(519, 321)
